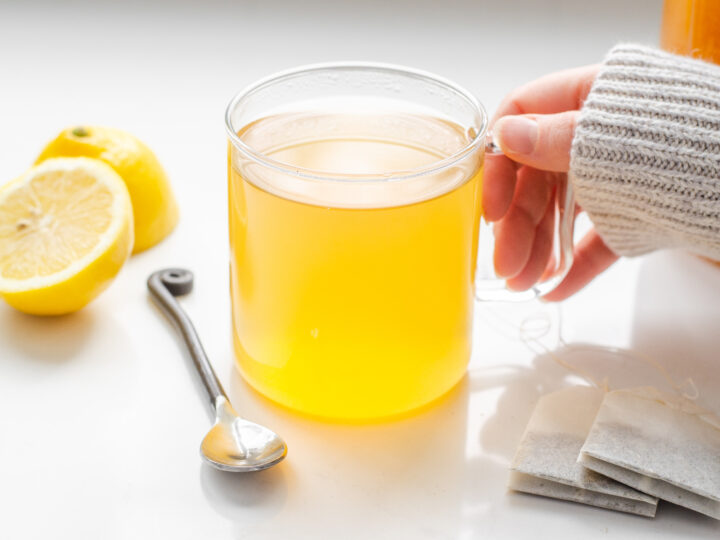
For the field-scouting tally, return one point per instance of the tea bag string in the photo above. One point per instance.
(686, 389)
(538, 325)
(530, 332)
(681, 403)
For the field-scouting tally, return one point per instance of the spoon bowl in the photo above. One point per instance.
(235, 444)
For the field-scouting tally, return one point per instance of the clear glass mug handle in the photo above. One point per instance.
(489, 287)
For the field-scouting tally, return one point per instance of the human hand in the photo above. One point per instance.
(534, 126)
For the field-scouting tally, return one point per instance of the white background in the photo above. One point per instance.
(100, 417)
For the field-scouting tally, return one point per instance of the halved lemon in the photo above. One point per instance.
(154, 207)
(66, 229)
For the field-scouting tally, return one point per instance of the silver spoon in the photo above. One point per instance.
(233, 443)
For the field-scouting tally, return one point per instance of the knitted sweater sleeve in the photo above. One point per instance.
(645, 161)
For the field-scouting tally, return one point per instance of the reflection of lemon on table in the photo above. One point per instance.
(154, 206)
(65, 232)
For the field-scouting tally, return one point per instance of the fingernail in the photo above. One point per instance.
(516, 134)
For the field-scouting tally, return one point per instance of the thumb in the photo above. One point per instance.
(542, 141)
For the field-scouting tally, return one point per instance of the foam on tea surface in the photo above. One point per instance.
(356, 160)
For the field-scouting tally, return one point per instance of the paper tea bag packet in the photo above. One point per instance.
(660, 444)
(546, 462)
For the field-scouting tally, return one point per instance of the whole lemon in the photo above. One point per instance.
(154, 207)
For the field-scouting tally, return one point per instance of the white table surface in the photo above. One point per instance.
(100, 416)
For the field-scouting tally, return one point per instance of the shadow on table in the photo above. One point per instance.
(679, 326)
(54, 339)
(246, 498)
(675, 339)
(382, 479)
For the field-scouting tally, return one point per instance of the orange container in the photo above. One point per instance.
(692, 28)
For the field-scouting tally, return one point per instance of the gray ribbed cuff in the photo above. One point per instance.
(645, 158)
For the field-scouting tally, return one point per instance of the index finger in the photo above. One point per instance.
(557, 92)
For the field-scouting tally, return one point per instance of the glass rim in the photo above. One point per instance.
(394, 176)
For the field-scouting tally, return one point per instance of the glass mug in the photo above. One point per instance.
(355, 210)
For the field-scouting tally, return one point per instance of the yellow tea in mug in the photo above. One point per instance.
(351, 276)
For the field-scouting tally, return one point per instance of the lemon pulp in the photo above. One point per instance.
(65, 232)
